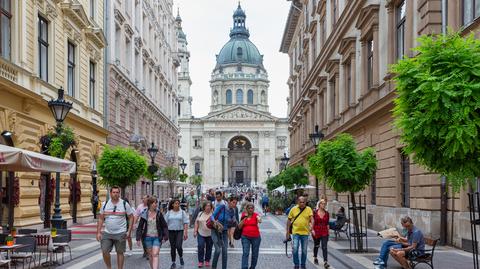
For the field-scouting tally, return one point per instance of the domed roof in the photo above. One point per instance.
(239, 50)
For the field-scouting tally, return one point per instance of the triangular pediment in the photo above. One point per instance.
(239, 113)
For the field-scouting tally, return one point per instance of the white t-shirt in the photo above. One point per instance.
(115, 216)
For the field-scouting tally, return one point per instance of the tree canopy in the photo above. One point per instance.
(291, 176)
(196, 180)
(438, 106)
(171, 174)
(343, 168)
(120, 166)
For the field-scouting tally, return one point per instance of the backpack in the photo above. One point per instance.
(124, 206)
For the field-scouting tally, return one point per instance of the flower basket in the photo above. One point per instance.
(9, 241)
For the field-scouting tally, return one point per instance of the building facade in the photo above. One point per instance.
(45, 45)
(239, 140)
(340, 52)
(142, 66)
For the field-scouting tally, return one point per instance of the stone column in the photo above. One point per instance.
(227, 171)
(252, 168)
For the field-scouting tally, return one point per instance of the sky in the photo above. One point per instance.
(207, 25)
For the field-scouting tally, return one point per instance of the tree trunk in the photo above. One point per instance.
(356, 227)
(170, 185)
(124, 189)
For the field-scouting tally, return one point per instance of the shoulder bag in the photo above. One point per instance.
(291, 224)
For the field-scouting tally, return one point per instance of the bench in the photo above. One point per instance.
(427, 257)
(341, 226)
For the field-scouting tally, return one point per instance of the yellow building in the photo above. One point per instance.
(45, 45)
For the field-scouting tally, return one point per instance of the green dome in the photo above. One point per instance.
(239, 50)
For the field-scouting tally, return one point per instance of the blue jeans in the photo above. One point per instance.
(204, 248)
(385, 250)
(297, 241)
(246, 243)
(220, 241)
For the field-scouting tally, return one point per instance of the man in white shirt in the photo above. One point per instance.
(114, 213)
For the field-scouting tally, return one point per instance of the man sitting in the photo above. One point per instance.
(402, 247)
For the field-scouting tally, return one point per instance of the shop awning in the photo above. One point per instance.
(166, 182)
(20, 160)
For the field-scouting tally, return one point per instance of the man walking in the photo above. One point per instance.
(192, 203)
(225, 216)
(114, 213)
(300, 221)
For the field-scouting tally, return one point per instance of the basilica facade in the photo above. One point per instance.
(239, 140)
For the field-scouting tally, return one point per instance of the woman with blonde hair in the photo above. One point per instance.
(320, 231)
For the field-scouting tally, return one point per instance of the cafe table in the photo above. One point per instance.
(8, 249)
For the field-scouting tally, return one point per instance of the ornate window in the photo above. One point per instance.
(400, 29)
(5, 28)
(92, 99)
(43, 48)
(250, 97)
(239, 99)
(71, 69)
(228, 97)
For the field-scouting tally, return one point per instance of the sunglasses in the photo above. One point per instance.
(114, 209)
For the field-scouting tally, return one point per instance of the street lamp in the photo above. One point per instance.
(60, 109)
(152, 169)
(183, 165)
(316, 137)
(284, 160)
(269, 173)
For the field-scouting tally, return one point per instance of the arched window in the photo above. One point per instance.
(228, 96)
(239, 52)
(250, 97)
(239, 96)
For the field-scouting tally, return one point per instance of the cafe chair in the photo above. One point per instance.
(27, 253)
(44, 243)
(27, 231)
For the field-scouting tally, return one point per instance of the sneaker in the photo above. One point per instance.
(231, 245)
(129, 253)
(173, 266)
(315, 260)
(326, 265)
(200, 264)
(182, 263)
(207, 263)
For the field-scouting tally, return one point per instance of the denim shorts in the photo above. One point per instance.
(151, 242)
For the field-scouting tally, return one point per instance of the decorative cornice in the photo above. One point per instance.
(367, 21)
(75, 12)
(119, 16)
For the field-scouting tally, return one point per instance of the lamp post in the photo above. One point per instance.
(284, 161)
(60, 109)
(316, 137)
(183, 165)
(152, 169)
(198, 173)
(269, 173)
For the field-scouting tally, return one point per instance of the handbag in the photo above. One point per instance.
(214, 224)
(291, 225)
(237, 234)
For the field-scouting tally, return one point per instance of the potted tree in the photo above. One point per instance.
(121, 167)
(344, 169)
(171, 173)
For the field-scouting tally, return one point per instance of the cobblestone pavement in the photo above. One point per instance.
(86, 252)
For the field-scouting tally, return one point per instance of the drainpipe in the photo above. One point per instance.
(106, 60)
(443, 184)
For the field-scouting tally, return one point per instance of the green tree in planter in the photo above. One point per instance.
(294, 175)
(171, 173)
(120, 167)
(438, 106)
(196, 180)
(344, 169)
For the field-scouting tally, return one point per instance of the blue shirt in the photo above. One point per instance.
(225, 215)
(416, 236)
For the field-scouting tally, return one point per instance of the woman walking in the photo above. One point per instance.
(250, 235)
(151, 230)
(177, 221)
(320, 231)
(204, 235)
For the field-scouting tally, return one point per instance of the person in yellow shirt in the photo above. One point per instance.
(299, 225)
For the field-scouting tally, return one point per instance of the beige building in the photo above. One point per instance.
(142, 63)
(340, 52)
(47, 44)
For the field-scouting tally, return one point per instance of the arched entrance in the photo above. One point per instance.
(6, 186)
(239, 161)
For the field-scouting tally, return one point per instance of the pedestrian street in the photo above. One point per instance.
(272, 252)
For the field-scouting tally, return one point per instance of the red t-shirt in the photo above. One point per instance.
(320, 225)
(250, 226)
